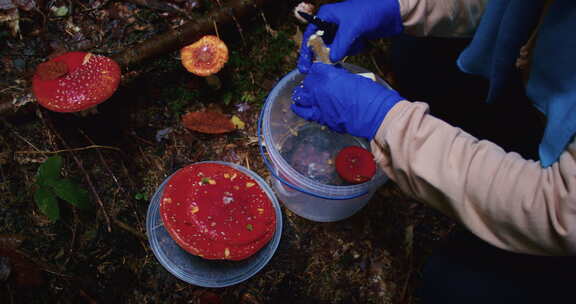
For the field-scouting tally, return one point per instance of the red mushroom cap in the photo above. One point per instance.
(205, 56)
(75, 81)
(217, 212)
(355, 164)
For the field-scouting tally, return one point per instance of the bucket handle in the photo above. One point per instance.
(282, 180)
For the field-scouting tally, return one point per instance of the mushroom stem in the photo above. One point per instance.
(319, 49)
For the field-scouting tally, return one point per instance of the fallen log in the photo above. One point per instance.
(233, 13)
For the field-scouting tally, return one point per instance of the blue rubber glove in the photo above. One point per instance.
(343, 101)
(357, 20)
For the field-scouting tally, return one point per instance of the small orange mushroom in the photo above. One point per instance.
(205, 56)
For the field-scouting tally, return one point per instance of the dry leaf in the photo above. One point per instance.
(11, 241)
(26, 5)
(248, 298)
(208, 122)
(238, 123)
(14, 265)
(23, 271)
(12, 18)
(206, 297)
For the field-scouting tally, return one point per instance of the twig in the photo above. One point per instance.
(15, 88)
(120, 188)
(92, 144)
(87, 10)
(73, 241)
(410, 258)
(9, 289)
(13, 130)
(266, 24)
(407, 280)
(86, 297)
(240, 30)
(81, 167)
(130, 229)
(247, 162)
(68, 150)
(216, 28)
(143, 140)
(3, 180)
(376, 65)
(45, 266)
(130, 181)
(252, 80)
(183, 288)
(158, 5)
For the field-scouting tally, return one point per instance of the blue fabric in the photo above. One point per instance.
(552, 83)
(505, 27)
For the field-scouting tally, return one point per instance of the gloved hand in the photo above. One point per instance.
(343, 101)
(357, 20)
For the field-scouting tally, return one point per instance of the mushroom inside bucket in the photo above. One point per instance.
(355, 164)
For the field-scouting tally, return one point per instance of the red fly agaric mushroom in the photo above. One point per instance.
(217, 212)
(205, 56)
(75, 81)
(355, 164)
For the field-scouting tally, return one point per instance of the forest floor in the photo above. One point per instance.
(136, 140)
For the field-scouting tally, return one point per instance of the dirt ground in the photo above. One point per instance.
(121, 154)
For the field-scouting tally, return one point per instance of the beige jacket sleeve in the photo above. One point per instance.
(441, 18)
(508, 201)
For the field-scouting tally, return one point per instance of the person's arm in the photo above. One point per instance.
(508, 201)
(441, 18)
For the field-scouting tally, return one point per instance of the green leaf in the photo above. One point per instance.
(47, 203)
(49, 171)
(60, 11)
(72, 193)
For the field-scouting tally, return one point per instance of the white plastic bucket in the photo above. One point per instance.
(299, 155)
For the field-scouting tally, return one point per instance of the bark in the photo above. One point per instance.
(233, 14)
